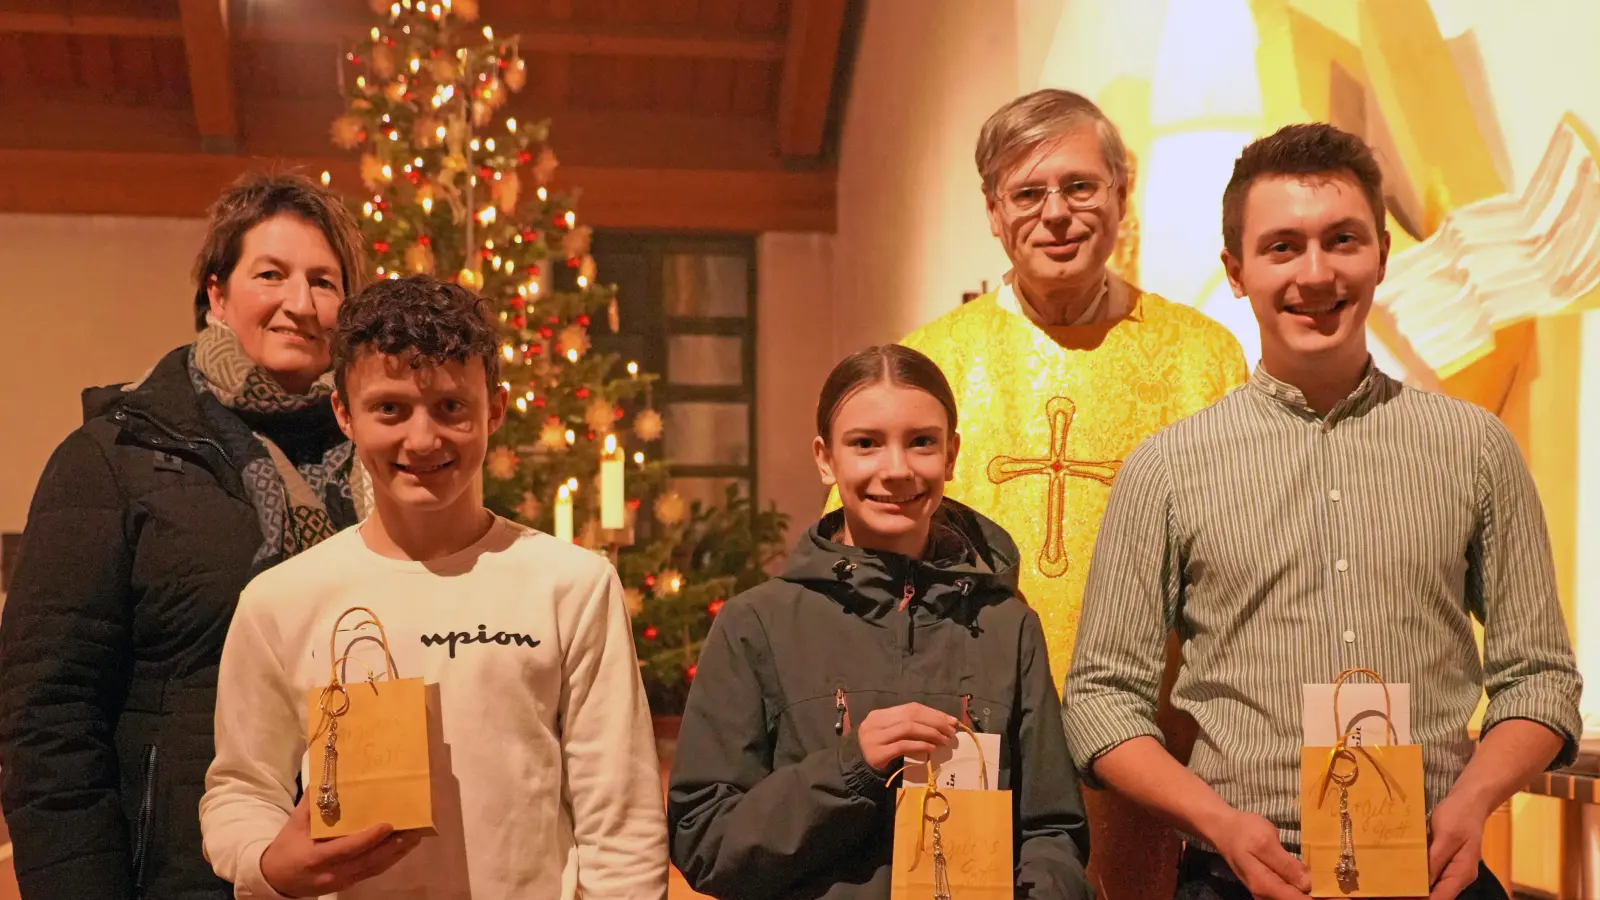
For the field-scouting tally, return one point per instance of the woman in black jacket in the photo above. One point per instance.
(894, 618)
(148, 520)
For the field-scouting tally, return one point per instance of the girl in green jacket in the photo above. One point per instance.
(896, 618)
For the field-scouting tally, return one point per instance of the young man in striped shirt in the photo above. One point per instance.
(1322, 518)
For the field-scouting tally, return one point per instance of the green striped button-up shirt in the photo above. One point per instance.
(1286, 547)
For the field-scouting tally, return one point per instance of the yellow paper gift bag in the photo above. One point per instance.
(1363, 816)
(368, 746)
(952, 844)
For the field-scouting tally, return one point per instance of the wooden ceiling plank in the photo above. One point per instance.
(594, 40)
(208, 48)
(643, 39)
(178, 184)
(115, 25)
(810, 59)
(95, 65)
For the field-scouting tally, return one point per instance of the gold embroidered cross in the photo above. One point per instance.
(1060, 412)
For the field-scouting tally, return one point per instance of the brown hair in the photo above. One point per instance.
(257, 197)
(1310, 149)
(1032, 120)
(437, 321)
(890, 363)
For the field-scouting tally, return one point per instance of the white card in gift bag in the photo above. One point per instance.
(959, 765)
(1361, 707)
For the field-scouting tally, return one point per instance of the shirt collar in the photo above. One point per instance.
(1295, 400)
(1109, 304)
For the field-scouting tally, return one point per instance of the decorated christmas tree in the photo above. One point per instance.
(453, 186)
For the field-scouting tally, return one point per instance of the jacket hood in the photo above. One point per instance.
(973, 563)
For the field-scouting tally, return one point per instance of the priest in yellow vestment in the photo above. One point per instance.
(1058, 375)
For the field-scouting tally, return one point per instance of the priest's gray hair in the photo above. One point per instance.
(1020, 127)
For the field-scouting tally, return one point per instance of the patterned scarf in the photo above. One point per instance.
(296, 505)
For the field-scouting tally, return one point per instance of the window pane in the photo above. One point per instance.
(708, 434)
(704, 359)
(707, 491)
(712, 286)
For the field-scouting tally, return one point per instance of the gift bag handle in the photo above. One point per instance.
(1388, 708)
(333, 639)
(1342, 749)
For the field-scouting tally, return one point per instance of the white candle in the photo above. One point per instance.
(564, 514)
(612, 495)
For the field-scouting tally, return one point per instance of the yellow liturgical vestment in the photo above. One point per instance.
(1048, 413)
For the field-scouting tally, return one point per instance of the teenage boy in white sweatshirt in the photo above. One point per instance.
(545, 780)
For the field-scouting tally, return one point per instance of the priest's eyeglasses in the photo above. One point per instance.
(1081, 195)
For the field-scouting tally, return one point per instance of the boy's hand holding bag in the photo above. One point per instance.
(368, 745)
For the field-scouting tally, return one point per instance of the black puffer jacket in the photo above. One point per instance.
(768, 801)
(139, 539)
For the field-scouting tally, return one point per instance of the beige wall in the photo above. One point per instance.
(86, 300)
(794, 352)
(912, 236)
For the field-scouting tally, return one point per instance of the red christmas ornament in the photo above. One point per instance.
(519, 322)
(355, 60)
(414, 176)
(634, 503)
(546, 333)
(572, 262)
(380, 246)
(486, 254)
(589, 434)
(516, 302)
(486, 172)
(528, 235)
(617, 413)
(538, 401)
(714, 606)
(650, 632)
(524, 158)
(502, 63)
(561, 221)
(584, 321)
(536, 350)
(650, 581)
(583, 393)
(425, 241)
(555, 320)
(689, 672)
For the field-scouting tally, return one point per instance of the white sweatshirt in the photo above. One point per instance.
(543, 760)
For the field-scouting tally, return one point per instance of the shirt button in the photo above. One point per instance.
(1334, 495)
(1349, 636)
(1342, 565)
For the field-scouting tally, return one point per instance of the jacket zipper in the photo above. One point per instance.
(841, 726)
(182, 440)
(911, 624)
(141, 836)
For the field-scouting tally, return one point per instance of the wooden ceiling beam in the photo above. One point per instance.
(112, 24)
(209, 50)
(809, 62)
(184, 184)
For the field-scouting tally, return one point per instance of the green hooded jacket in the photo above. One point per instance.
(770, 797)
